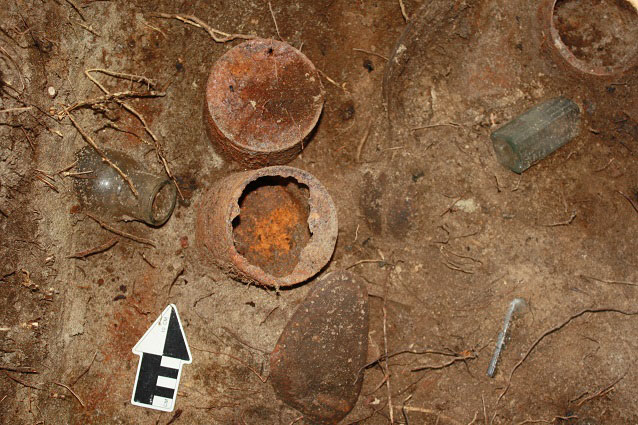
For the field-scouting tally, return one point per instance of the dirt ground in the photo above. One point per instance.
(444, 236)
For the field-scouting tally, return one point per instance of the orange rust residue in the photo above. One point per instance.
(273, 226)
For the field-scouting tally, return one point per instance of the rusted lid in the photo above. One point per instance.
(316, 366)
(263, 98)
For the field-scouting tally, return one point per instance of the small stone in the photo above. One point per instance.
(52, 92)
(317, 364)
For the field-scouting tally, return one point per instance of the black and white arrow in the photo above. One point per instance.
(163, 350)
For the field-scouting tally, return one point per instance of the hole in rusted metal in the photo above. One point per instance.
(600, 33)
(271, 229)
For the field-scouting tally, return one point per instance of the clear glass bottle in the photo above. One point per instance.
(535, 134)
(100, 188)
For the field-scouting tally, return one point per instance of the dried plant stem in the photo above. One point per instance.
(90, 141)
(119, 232)
(72, 392)
(104, 247)
(142, 79)
(371, 53)
(403, 12)
(217, 35)
(109, 97)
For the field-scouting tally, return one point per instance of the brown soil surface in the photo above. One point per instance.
(272, 227)
(443, 235)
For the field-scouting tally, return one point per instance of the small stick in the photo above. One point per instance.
(26, 384)
(443, 124)
(382, 261)
(77, 9)
(28, 138)
(147, 261)
(104, 247)
(119, 232)
(85, 370)
(629, 200)
(516, 305)
(21, 369)
(363, 141)
(556, 329)
(72, 392)
(602, 392)
(556, 418)
(464, 358)
(563, 223)
(109, 98)
(217, 35)
(403, 12)
(330, 80)
(51, 185)
(274, 20)
(87, 27)
(611, 282)
(131, 77)
(26, 108)
(371, 53)
(90, 141)
(385, 350)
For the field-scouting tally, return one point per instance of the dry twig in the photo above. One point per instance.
(72, 392)
(274, 20)
(466, 356)
(602, 391)
(371, 53)
(20, 369)
(119, 232)
(363, 141)
(24, 109)
(90, 141)
(104, 247)
(611, 282)
(564, 222)
(217, 35)
(629, 200)
(123, 75)
(403, 12)
(110, 97)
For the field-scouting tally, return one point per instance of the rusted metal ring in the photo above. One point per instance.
(220, 206)
(564, 55)
(263, 99)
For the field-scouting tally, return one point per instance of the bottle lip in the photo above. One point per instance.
(161, 203)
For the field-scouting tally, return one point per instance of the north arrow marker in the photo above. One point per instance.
(163, 351)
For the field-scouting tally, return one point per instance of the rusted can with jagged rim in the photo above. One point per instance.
(276, 226)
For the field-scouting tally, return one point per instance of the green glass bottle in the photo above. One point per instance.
(535, 134)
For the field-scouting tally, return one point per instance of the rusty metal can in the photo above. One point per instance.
(276, 226)
(263, 99)
(620, 55)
